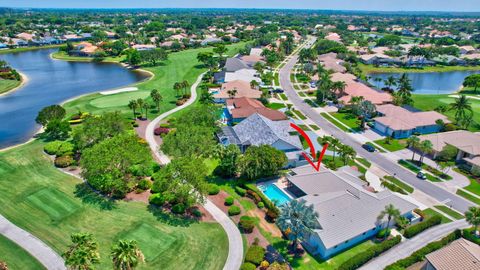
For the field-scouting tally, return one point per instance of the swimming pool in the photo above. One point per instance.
(275, 194)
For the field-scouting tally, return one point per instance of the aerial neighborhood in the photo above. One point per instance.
(239, 139)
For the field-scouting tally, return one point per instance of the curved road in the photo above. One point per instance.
(235, 242)
(442, 195)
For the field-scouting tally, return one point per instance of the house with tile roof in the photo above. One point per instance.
(347, 210)
(236, 89)
(398, 122)
(259, 130)
(460, 254)
(241, 108)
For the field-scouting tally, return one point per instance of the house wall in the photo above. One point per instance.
(283, 146)
(402, 134)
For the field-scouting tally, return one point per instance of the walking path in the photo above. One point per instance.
(43, 253)
(407, 247)
(235, 242)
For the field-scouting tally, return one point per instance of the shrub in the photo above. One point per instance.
(63, 161)
(383, 233)
(469, 234)
(255, 254)
(234, 210)
(254, 196)
(272, 215)
(229, 201)
(415, 229)
(240, 191)
(213, 189)
(196, 213)
(144, 184)
(261, 205)
(178, 208)
(135, 124)
(161, 130)
(248, 266)
(157, 199)
(52, 147)
(361, 258)
(65, 149)
(246, 224)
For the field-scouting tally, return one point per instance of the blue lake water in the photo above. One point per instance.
(51, 82)
(428, 83)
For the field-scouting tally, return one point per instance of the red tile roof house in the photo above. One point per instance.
(399, 122)
(358, 89)
(241, 108)
(242, 88)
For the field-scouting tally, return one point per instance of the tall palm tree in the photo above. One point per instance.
(126, 255)
(346, 153)
(473, 217)
(461, 106)
(404, 89)
(391, 212)
(413, 142)
(177, 86)
(426, 147)
(133, 105)
(141, 105)
(146, 107)
(232, 92)
(157, 98)
(339, 87)
(390, 82)
(185, 85)
(298, 220)
(82, 254)
(254, 84)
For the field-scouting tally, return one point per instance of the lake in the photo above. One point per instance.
(429, 82)
(51, 82)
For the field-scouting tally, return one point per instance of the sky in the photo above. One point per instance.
(371, 5)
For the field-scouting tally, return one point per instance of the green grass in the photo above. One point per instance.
(52, 205)
(400, 184)
(348, 119)
(452, 213)
(61, 55)
(392, 145)
(332, 120)
(412, 167)
(16, 257)
(24, 49)
(376, 147)
(314, 127)
(474, 186)
(468, 196)
(276, 79)
(430, 102)
(7, 85)
(430, 212)
(276, 106)
(364, 161)
(300, 114)
(283, 96)
(180, 66)
(366, 69)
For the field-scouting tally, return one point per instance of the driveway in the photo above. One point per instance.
(389, 166)
(235, 242)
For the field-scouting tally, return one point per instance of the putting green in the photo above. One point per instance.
(117, 100)
(56, 204)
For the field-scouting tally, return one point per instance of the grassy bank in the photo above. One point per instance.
(24, 49)
(16, 257)
(51, 205)
(180, 66)
(60, 55)
(367, 69)
(7, 85)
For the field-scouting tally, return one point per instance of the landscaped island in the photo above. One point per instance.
(9, 78)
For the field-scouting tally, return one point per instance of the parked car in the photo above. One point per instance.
(421, 175)
(368, 147)
(277, 90)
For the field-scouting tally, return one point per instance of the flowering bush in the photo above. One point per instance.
(161, 130)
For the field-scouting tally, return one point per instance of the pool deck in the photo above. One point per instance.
(281, 183)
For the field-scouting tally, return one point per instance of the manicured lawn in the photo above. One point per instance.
(365, 162)
(366, 69)
(24, 49)
(314, 127)
(332, 120)
(7, 85)
(52, 205)
(415, 169)
(430, 212)
(300, 114)
(468, 196)
(180, 66)
(430, 102)
(348, 119)
(392, 145)
(283, 96)
(474, 186)
(399, 183)
(276, 106)
(16, 257)
(449, 211)
(64, 56)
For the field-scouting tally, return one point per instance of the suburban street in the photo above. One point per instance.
(389, 166)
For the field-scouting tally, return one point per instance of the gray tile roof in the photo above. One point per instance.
(257, 130)
(234, 64)
(345, 208)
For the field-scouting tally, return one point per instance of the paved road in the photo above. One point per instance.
(43, 253)
(235, 241)
(407, 247)
(389, 166)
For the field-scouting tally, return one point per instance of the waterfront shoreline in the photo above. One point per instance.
(24, 80)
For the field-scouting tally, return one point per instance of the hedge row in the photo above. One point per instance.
(413, 230)
(362, 258)
(419, 255)
(256, 194)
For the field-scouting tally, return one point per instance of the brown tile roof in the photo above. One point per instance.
(464, 140)
(244, 107)
(398, 118)
(243, 90)
(460, 254)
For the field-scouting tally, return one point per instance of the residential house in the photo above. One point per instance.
(211, 40)
(399, 122)
(347, 210)
(233, 64)
(236, 89)
(84, 49)
(468, 49)
(245, 74)
(330, 61)
(72, 37)
(333, 37)
(460, 254)
(258, 130)
(241, 108)
(467, 143)
(144, 47)
(357, 89)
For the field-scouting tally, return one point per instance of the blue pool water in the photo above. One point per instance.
(275, 194)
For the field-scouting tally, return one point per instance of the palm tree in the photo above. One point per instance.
(391, 212)
(82, 253)
(157, 98)
(126, 255)
(334, 143)
(377, 81)
(426, 147)
(146, 107)
(340, 87)
(298, 220)
(390, 82)
(413, 142)
(404, 89)
(346, 153)
(254, 84)
(185, 84)
(177, 86)
(473, 217)
(133, 105)
(141, 105)
(232, 92)
(461, 106)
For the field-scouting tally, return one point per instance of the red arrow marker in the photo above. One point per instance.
(312, 148)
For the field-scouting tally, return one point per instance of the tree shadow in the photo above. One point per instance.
(170, 219)
(88, 196)
(200, 66)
